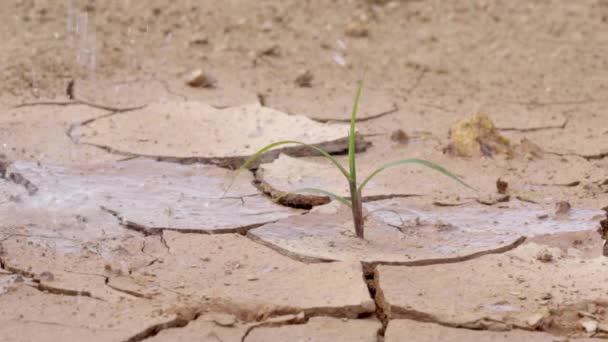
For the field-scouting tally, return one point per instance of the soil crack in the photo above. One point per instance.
(147, 231)
(375, 292)
(300, 318)
(77, 102)
(42, 287)
(533, 129)
(392, 110)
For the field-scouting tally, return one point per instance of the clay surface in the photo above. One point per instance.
(401, 232)
(121, 218)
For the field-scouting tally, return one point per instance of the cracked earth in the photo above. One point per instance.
(123, 216)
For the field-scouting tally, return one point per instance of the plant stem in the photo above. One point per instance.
(356, 206)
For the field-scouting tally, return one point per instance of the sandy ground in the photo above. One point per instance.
(121, 218)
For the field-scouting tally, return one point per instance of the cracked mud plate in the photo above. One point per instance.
(333, 105)
(223, 272)
(542, 179)
(531, 287)
(148, 195)
(38, 133)
(27, 314)
(195, 131)
(399, 231)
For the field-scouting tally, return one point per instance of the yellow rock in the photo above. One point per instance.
(477, 136)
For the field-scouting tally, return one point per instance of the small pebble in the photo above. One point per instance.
(199, 79)
(589, 325)
(357, 29)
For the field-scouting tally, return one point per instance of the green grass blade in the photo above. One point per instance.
(326, 193)
(351, 135)
(286, 142)
(414, 161)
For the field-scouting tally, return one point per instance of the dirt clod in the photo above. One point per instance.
(562, 208)
(304, 79)
(399, 136)
(544, 255)
(501, 186)
(477, 136)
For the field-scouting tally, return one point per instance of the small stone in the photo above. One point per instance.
(199, 79)
(223, 320)
(535, 320)
(252, 278)
(399, 136)
(357, 29)
(589, 325)
(544, 256)
(546, 296)
(304, 78)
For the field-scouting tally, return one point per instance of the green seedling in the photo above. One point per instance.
(354, 202)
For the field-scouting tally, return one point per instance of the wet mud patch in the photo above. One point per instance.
(172, 131)
(150, 196)
(532, 288)
(403, 232)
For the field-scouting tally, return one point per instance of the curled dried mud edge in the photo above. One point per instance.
(253, 317)
(369, 267)
(307, 201)
(147, 231)
(334, 147)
